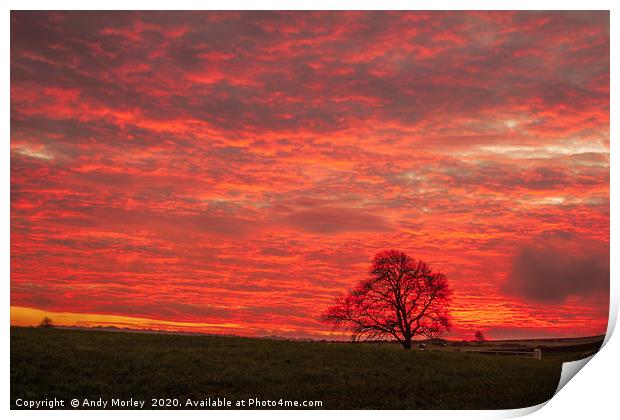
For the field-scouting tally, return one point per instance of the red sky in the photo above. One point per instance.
(235, 172)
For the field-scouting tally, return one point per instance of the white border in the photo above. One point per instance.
(593, 393)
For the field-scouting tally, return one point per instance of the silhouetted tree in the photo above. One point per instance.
(479, 337)
(402, 298)
(46, 323)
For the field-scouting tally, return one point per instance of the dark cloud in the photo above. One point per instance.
(338, 220)
(245, 71)
(551, 271)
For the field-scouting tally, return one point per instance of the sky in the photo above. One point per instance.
(235, 172)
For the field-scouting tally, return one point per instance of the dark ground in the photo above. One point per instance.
(66, 364)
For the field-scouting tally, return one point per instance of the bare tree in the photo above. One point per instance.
(479, 337)
(402, 298)
(46, 323)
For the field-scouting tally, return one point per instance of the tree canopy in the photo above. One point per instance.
(402, 298)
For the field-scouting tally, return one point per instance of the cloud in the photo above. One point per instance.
(551, 271)
(260, 159)
(338, 220)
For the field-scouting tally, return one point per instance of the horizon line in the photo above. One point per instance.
(22, 316)
(109, 328)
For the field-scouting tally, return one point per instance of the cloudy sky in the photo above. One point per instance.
(235, 172)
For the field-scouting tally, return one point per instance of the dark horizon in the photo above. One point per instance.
(295, 338)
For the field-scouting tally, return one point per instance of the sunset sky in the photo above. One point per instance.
(235, 172)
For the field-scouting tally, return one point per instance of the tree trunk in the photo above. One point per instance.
(407, 343)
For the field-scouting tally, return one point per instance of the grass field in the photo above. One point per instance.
(67, 364)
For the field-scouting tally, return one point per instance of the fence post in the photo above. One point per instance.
(537, 354)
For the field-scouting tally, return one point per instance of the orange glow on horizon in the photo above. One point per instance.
(30, 317)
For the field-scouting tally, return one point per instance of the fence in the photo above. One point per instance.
(536, 353)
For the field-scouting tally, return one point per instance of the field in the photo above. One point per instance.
(67, 364)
